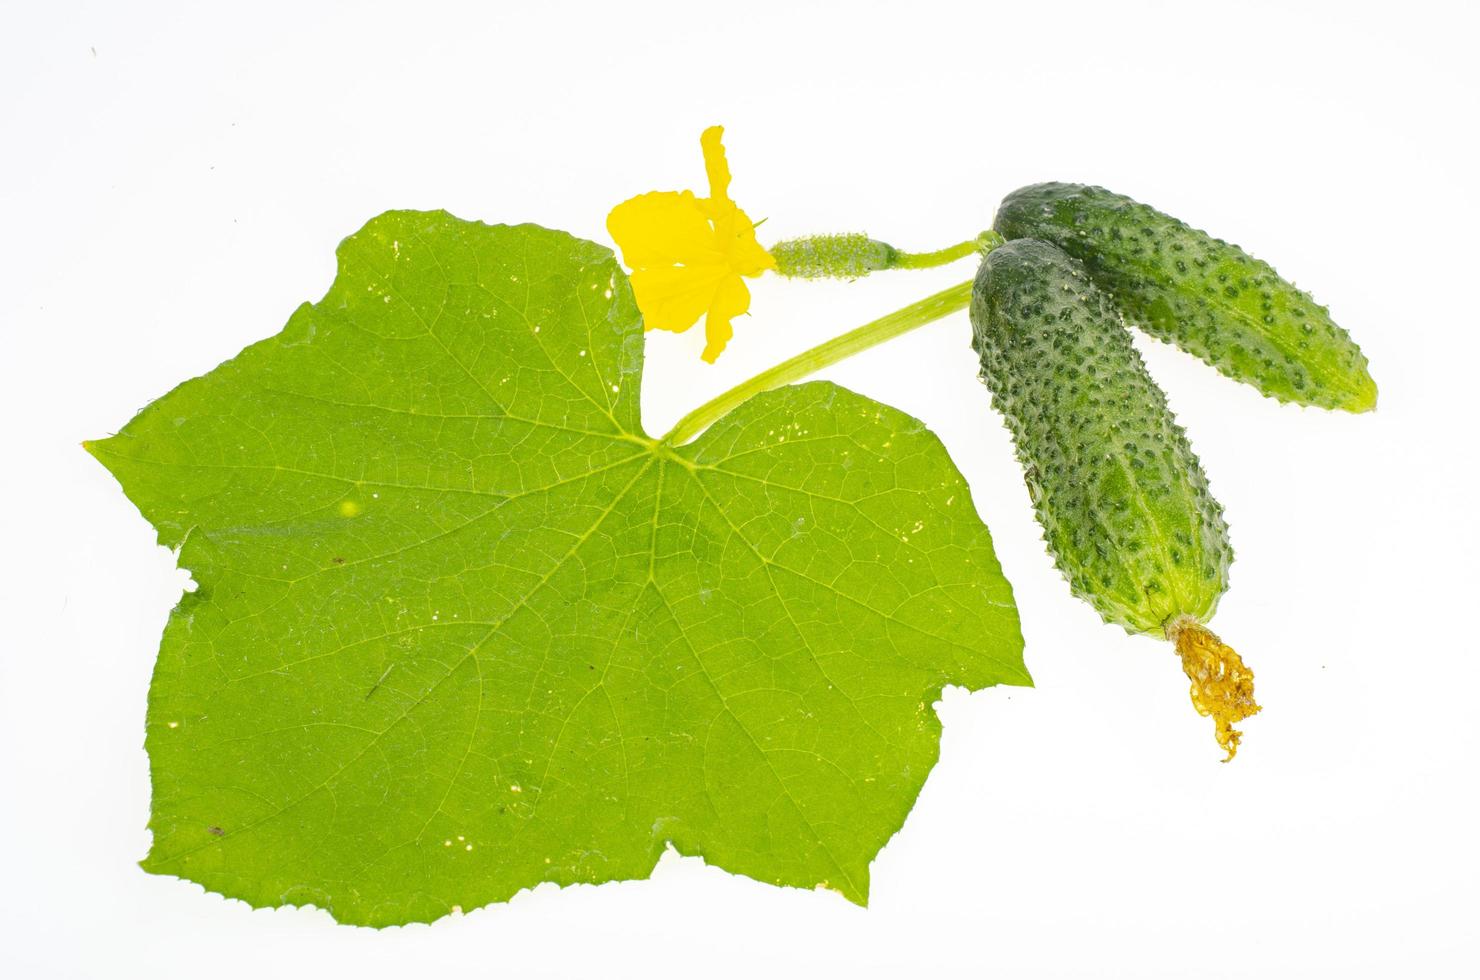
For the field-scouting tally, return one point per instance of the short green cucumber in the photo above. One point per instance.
(1122, 498)
(1206, 296)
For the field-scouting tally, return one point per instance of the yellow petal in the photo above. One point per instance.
(663, 228)
(687, 253)
(715, 164)
(674, 298)
(742, 252)
(730, 300)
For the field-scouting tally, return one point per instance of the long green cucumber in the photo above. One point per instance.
(1122, 498)
(1205, 295)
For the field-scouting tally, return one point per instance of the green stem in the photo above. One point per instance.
(887, 327)
(928, 260)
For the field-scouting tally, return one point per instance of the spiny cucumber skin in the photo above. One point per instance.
(1122, 498)
(1205, 295)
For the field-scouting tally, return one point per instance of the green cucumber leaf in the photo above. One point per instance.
(460, 627)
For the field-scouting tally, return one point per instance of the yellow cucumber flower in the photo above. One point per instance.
(688, 254)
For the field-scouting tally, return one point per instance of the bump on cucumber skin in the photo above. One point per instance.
(1122, 498)
(1203, 294)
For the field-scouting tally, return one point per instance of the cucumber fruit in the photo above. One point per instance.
(1205, 295)
(1122, 498)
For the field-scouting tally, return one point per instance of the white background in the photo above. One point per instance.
(173, 181)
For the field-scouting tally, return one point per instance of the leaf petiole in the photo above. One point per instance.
(871, 334)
